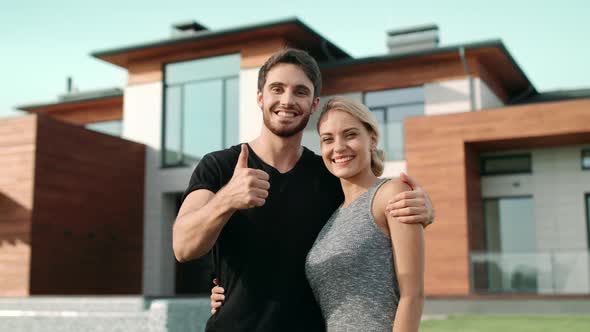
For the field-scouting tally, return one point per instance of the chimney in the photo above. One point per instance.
(186, 28)
(412, 39)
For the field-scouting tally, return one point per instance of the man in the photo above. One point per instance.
(259, 207)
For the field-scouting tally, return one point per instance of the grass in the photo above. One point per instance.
(476, 323)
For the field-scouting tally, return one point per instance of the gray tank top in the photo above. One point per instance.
(350, 270)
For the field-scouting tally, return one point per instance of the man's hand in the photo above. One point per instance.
(248, 187)
(217, 297)
(412, 206)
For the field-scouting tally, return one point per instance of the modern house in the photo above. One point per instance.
(507, 167)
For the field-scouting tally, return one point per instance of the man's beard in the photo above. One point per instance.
(283, 131)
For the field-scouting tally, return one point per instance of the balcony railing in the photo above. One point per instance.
(547, 272)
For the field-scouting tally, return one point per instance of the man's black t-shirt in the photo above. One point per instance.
(259, 256)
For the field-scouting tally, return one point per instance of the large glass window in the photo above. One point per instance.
(391, 107)
(113, 128)
(509, 263)
(201, 108)
(510, 224)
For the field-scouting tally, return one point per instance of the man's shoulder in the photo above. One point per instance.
(222, 156)
(313, 157)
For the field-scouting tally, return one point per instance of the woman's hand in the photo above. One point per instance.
(217, 297)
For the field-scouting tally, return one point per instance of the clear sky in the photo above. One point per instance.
(43, 42)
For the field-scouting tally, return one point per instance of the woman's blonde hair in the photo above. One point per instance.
(366, 117)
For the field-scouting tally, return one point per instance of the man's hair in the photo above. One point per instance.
(295, 57)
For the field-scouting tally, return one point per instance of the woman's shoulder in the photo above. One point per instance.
(388, 190)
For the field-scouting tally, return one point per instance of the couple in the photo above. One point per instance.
(260, 207)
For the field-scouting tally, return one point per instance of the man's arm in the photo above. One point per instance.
(203, 214)
(199, 223)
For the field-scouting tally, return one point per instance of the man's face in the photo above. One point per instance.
(287, 100)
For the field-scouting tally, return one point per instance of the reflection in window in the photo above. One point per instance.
(586, 159)
(588, 218)
(113, 128)
(510, 224)
(391, 107)
(506, 164)
(201, 108)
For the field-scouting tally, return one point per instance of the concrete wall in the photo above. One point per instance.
(142, 122)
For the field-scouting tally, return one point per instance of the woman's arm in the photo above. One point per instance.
(408, 251)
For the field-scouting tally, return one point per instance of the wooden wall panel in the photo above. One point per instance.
(87, 231)
(442, 151)
(17, 157)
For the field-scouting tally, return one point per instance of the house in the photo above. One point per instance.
(507, 167)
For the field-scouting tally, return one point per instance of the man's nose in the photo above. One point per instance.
(287, 98)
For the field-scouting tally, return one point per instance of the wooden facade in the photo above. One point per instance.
(17, 160)
(443, 152)
(72, 210)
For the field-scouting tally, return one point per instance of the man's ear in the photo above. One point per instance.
(259, 99)
(314, 104)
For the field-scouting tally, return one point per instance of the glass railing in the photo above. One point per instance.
(546, 272)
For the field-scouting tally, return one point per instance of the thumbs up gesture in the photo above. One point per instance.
(248, 187)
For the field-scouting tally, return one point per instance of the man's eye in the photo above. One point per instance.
(326, 139)
(351, 135)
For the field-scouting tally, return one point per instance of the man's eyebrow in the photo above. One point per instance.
(276, 84)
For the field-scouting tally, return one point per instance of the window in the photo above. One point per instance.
(200, 109)
(113, 128)
(586, 159)
(509, 224)
(391, 107)
(588, 218)
(506, 164)
(508, 265)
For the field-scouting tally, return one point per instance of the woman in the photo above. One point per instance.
(366, 269)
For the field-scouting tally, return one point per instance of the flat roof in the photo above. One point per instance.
(329, 48)
(76, 97)
(555, 95)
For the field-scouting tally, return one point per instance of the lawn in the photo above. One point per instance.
(472, 323)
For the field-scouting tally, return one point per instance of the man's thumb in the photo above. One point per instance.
(408, 180)
(243, 158)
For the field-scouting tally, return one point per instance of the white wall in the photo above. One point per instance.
(452, 96)
(142, 122)
(250, 113)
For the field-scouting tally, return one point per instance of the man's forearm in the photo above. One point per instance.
(195, 232)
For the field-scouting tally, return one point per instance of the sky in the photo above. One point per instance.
(44, 42)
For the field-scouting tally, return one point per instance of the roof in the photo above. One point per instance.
(325, 49)
(556, 95)
(499, 58)
(76, 97)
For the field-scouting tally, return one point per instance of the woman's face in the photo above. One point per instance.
(345, 144)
